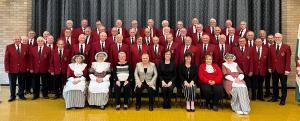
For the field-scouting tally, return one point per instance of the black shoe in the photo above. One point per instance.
(282, 102)
(192, 110)
(11, 99)
(273, 100)
(35, 97)
(150, 108)
(261, 99)
(188, 110)
(102, 107)
(137, 108)
(215, 108)
(45, 97)
(56, 97)
(22, 98)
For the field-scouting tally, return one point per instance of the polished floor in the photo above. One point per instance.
(53, 110)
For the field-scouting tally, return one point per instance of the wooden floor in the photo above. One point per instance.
(53, 110)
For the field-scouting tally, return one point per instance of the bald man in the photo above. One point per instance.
(16, 65)
(81, 48)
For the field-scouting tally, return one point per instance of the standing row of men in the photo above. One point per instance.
(41, 58)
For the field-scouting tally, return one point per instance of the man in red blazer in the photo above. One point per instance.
(211, 28)
(250, 39)
(197, 37)
(69, 25)
(15, 63)
(120, 29)
(263, 36)
(191, 30)
(187, 47)
(214, 39)
(223, 49)
(40, 56)
(206, 48)
(164, 24)
(116, 48)
(260, 56)
(82, 48)
(89, 37)
(172, 46)
(179, 26)
(69, 39)
(156, 52)
(232, 39)
(183, 34)
(244, 60)
(96, 31)
(81, 29)
(270, 42)
(131, 40)
(101, 45)
(280, 55)
(45, 36)
(228, 25)
(60, 58)
(147, 37)
(114, 33)
(50, 42)
(136, 52)
(150, 26)
(31, 38)
(163, 37)
(136, 28)
(242, 31)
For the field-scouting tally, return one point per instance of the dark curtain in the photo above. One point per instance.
(51, 15)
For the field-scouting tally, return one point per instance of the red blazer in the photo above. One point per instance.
(57, 65)
(156, 58)
(244, 60)
(14, 62)
(179, 40)
(95, 34)
(73, 42)
(111, 40)
(174, 50)
(260, 64)
(160, 32)
(235, 41)
(237, 32)
(212, 50)
(127, 41)
(224, 31)
(70, 72)
(227, 49)
(34, 42)
(208, 31)
(195, 38)
(76, 32)
(180, 54)
(190, 31)
(138, 32)
(162, 41)
(40, 63)
(124, 32)
(204, 76)
(213, 40)
(62, 33)
(151, 41)
(92, 40)
(76, 50)
(135, 55)
(114, 53)
(155, 31)
(282, 61)
(97, 48)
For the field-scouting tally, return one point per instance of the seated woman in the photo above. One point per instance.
(74, 90)
(145, 78)
(188, 76)
(235, 85)
(99, 84)
(122, 77)
(210, 76)
(167, 72)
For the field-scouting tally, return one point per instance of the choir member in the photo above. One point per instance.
(150, 25)
(197, 36)
(156, 52)
(136, 51)
(215, 39)
(89, 38)
(179, 26)
(120, 29)
(31, 38)
(210, 30)
(69, 25)
(270, 42)
(82, 48)
(263, 36)
(250, 39)
(242, 31)
(147, 37)
(132, 37)
(69, 39)
(228, 24)
(80, 30)
(207, 49)
(163, 37)
(116, 48)
(187, 47)
(112, 38)
(135, 26)
(223, 49)
(191, 30)
(165, 24)
(101, 45)
(232, 39)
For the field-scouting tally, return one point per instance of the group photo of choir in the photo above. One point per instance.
(93, 67)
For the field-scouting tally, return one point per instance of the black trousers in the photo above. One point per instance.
(28, 79)
(258, 87)
(59, 80)
(50, 83)
(268, 83)
(212, 93)
(248, 80)
(13, 77)
(283, 81)
(139, 91)
(167, 95)
(126, 92)
(40, 77)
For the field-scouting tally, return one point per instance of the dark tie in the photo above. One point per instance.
(169, 46)
(40, 50)
(217, 39)
(81, 48)
(114, 38)
(131, 40)
(50, 46)
(68, 42)
(205, 48)
(213, 30)
(178, 33)
(231, 41)
(155, 50)
(242, 50)
(60, 54)
(18, 49)
(83, 30)
(87, 39)
(31, 43)
(119, 31)
(102, 46)
(139, 49)
(199, 36)
(241, 32)
(151, 34)
(277, 50)
(119, 47)
(148, 42)
(186, 49)
(222, 49)
(258, 52)
(251, 43)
